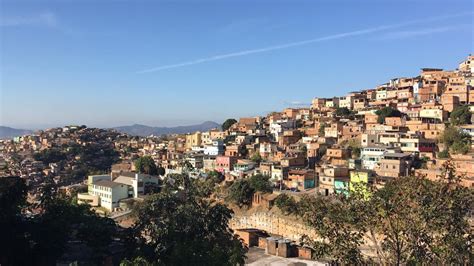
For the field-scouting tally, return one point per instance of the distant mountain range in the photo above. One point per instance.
(8, 132)
(142, 130)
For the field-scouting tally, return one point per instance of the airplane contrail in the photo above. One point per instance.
(300, 43)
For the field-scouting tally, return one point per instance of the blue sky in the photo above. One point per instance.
(109, 63)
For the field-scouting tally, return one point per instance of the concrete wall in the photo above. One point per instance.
(273, 224)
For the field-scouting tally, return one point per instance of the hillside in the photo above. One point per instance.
(9, 132)
(142, 130)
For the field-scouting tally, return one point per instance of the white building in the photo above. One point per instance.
(279, 126)
(106, 191)
(371, 156)
(215, 148)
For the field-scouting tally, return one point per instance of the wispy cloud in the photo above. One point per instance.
(301, 43)
(297, 103)
(243, 25)
(47, 19)
(396, 35)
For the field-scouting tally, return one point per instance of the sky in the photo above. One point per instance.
(108, 63)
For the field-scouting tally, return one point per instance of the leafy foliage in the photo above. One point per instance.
(460, 115)
(456, 140)
(322, 127)
(387, 112)
(261, 183)
(424, 221)
(344, 112)
(286, 204)
(355, 147)
(228, 123)
(256, 157)
(179, 227)
(411, 220)
(336, 223)
(146, 165)
(45, 236)
(444, 154)
(241, 192)
(48, 156)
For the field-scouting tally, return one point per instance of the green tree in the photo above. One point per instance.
(286, 204)
(14, 244)
(45, 236)
(461, 147)
(424, 221)
(241, 192)
(343, 112)
(322, 127)
(340, 235)
(228, 123)
(256, 157)
(387, 112)
(161, 171)
(48, 156)
(260, 183)
(207, 186)
(444, 154)
(460, 115)
(137, 261)
(183, 228)
(354, 147)
(411, 220)
(456, 140)
(146, 165)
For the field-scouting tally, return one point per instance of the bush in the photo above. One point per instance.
(462, 147)
(260, 183)
(146, 165)
(443, 154)
(387, 112)
(228, 123)
(460, 115)
(456, 140)
(286, 204)
(240, 192)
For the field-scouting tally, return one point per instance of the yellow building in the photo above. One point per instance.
(359, 180)
(434, 113)
(193, 140)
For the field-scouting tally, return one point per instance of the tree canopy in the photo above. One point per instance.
(146, 165)
(48, 156)
(321, 129)
(46, 236)
(411, 220)
(387, 112)
(180, 227)
(460, 115)
(344, 112)
(286, 204)
(261, 183)
(456, 140)
(256, 157)
(228, 123)
(240, 192)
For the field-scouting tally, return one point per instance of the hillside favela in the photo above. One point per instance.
(366, 177)
(355, 147)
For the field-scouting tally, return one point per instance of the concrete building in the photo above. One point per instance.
(193, 140)
(107, 190)
(301, 179)
(395, 165)
(216, 147)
